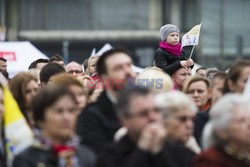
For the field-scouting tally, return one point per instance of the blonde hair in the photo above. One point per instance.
(36, 73)
(89, 61)
(155, 73)
(193, 79)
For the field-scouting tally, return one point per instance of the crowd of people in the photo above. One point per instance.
(103, 113)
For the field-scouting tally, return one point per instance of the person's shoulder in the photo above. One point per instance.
(30, 155)
(91, 108)
(28, 151)
(119, 147)
(95, 107)
(211, 154)
(179, 154)
(90, 114)
(161, 51)
(86, 154)
(202, 115)
(178, 148)
(86, 151)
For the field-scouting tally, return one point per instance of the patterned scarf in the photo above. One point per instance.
(66, 153)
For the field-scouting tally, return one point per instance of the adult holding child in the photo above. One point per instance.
(170, 56)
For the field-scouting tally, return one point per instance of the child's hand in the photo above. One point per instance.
(184, 63)
(189, 62)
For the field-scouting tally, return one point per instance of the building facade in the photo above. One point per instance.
(80, 25)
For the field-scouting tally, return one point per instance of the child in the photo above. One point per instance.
(169, 56)
(92, 68)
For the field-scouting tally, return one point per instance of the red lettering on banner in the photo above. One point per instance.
(9, 56)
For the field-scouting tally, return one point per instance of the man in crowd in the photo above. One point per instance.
(57, 59)
(3, 67)
(48, 71)
(74, 68)
(145, 143)
(180, 76)
(98, 122)
(3, 64)
(38, 64)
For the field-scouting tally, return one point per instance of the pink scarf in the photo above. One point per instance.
(173, 49)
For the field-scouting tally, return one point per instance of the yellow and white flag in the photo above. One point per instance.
(18, 134)
(191, 37)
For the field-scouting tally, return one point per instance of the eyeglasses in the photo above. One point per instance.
(75, 71)
(144, 113)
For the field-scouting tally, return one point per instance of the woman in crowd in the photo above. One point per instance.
(55, 144)
(198, 88)
(24, 87)
(237, 76)
(36, 73)
(226, 135)
(178, 112)
(74, 85)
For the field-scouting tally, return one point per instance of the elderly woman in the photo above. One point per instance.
(178, 113)
(227, 134)
(56, 144)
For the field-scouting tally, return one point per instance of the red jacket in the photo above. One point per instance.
(217, 157)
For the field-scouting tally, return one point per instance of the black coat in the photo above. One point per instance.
(168, 62)
(2, 158)
(200, 121)
(98, 123)
(126, 154)
(32, 157)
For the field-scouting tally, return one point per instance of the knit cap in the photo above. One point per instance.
(168, 29)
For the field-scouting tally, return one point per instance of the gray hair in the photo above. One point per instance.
(220, 117)
(172, 102)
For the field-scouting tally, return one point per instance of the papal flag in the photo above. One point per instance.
(18, 134)
(191, 37)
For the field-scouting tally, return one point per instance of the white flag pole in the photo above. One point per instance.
(192, 51)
